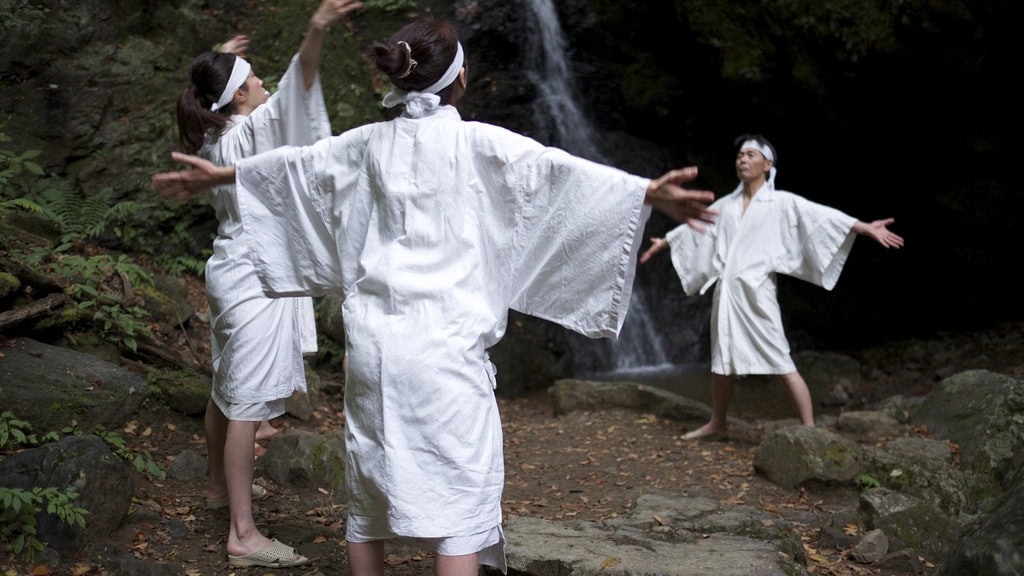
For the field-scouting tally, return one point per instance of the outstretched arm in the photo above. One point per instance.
(879, 231)
(688, 206)
(202, 176)
(657, 245)
(328, 13)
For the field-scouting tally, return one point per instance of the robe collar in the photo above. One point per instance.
(764, 194)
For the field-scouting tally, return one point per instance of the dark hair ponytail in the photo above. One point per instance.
(432, 45)
(208, 75)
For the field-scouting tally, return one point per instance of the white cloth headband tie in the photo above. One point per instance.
(766, 152)
(239, 74)
(418, 102)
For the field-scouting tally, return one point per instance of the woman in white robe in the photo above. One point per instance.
(256, 342)
(761, 232)
(434, 228)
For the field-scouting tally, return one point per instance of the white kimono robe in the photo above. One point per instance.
(434, 228)
(257, 342)
(780, 233)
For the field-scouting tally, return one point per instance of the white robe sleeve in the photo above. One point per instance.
(575, 233)
(819, 240)
(287, 199)
(293, 116)
(693, 257)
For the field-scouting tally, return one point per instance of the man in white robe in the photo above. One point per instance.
(761, 232)
(434, 228)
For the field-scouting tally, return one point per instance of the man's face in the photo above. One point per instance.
(751, 164)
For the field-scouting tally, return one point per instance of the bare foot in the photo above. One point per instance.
(265, 431)
(705, 432)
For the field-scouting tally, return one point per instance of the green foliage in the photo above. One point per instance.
(22, 180)
(24, 185)
(178, 265)
(78, 217)
(96, 301)
(141, 460)
(81, 217)
(14, 432)
(18, 509)
(866, 482)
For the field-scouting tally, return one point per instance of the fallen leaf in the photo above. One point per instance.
(659, 520)
(850, 529)
(610, 562)
(733, 500)
(40, 570)
(395, 560)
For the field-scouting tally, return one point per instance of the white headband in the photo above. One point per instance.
(419, 101)
(766, 151)
(763, 149)
(239, 74)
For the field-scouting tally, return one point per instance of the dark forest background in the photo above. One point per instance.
(878, 108)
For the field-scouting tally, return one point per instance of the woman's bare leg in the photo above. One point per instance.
(216, 435)
(366, 558)
(464, 565)
(801, 397)
(722, 388)
(243, 536)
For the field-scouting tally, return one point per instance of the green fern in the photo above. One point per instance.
(178, 265)
(83, 217)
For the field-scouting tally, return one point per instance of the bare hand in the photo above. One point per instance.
(331, 11)
(236, 45)
(681, 204)
(657, 245)
(882, 235)
(202, 176)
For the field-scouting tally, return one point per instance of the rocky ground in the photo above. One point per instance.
(585, 466)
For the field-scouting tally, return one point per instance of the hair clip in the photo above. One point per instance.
(412, 63)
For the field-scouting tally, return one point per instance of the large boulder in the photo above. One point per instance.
(85, 465)
(52, 388)
(981, 412)
(796, 455)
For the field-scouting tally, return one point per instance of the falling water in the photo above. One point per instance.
(639, 344)
(548, 69)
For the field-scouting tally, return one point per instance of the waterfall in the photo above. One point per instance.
(559, 121)
(547, 67)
